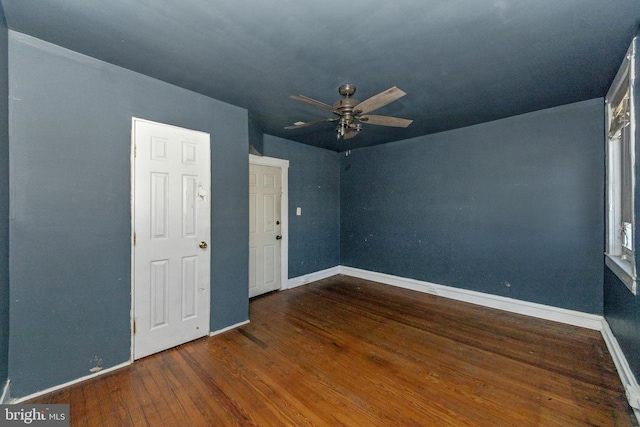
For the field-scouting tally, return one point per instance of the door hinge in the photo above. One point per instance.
(134, 326)
(135, 151)
(134, 238)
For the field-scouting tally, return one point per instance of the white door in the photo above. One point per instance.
(265, 192)
(171, 225)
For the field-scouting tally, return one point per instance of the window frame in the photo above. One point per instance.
(620, 138)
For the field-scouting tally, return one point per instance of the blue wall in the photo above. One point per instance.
(512, 207)
(622, 311)
(256, 136)
(4, 203)
(314, 185)
(70, 221)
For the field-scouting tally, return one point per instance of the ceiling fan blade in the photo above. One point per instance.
(379, 100)
(385, 121)
(298, 125)
(312, 102)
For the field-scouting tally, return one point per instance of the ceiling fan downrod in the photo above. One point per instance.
(345, 108)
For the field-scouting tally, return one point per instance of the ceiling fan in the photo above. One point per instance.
(348, 110)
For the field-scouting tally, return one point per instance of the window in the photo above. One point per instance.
(621, 224)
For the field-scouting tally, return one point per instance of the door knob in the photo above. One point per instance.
(278, 237)
(203, 245)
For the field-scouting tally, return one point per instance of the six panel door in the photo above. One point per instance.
(172, 214)
(265, 192)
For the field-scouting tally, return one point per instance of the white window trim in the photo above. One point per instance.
(621, 264)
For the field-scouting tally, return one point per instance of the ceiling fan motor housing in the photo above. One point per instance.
(344, 107)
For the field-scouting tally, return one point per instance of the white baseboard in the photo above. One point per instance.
(576, 318)
(632, 390)
(70, 383)
(5, 394)
(4, 397)
(546, 312)
(228, 328)
(312, 277)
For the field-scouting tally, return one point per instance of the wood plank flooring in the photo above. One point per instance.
(345, 351)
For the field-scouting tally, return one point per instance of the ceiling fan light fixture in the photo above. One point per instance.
(341, 129)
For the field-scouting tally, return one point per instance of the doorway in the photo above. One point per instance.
(268, 224)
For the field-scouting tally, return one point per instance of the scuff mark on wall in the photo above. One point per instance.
(97, 361)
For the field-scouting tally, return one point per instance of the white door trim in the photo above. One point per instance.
(284, 208)
(132, 175)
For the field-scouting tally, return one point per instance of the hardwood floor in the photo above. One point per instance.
(345, 351)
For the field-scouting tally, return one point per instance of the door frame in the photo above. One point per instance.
(284, 212)
(132, 178)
